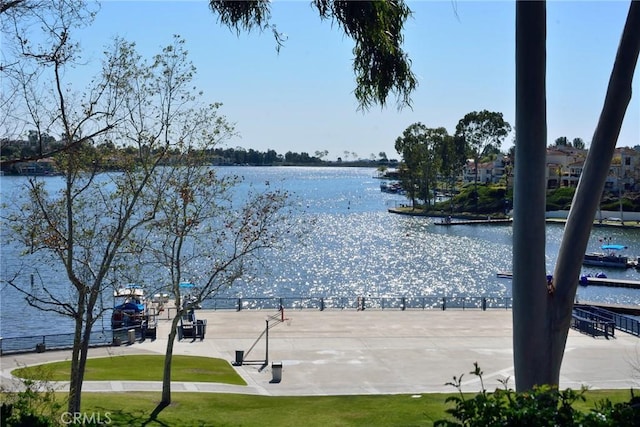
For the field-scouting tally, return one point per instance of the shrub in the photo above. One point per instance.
(35, 405)
(560, 199)
(542, 406)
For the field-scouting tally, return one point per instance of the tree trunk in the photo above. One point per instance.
(82, 338)
(530, 294)
(75, 380)
(166, 374)
(596, 168)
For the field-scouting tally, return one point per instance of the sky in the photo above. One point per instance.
(301, 99)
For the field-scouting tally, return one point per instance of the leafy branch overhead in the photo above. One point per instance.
(380, 65)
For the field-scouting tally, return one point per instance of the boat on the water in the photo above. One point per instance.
(609, 258)
(392, 187)
(129, 309)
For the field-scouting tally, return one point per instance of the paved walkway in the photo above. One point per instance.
(366, 352)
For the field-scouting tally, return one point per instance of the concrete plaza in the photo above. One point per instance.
(338, 352)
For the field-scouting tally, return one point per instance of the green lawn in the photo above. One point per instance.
(140, 368)
(206, 409)
(218, 409)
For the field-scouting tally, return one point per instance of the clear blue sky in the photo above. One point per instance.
(301, 99)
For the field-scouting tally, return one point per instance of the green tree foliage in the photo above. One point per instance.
(560, 199)
(428, 153)
(411, 147)
(34, 405)
(420, 148)
(492, 200)
(482, 131)
(380, 64)
(453, 156)
(562, 141)
(578, 143)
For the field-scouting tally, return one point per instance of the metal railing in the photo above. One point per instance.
(360, 303)
(624, 323)
(40, 343)
(592, 323)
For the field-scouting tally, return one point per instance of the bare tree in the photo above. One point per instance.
(90, 226)
(38, 47)
(207, 234)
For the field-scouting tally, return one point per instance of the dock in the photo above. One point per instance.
(475, 222)
(615, 283)
(593, 281)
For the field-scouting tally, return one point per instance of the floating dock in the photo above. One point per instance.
(616, 283)
(592, 281)
(475, 221)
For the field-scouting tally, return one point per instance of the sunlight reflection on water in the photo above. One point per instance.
(357, 248)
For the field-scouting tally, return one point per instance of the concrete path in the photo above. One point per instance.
(366, 352)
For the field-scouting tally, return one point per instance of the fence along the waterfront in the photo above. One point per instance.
(105, 337)
(359, 303)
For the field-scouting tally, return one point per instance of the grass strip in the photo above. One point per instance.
(139, 368)
(213, 409)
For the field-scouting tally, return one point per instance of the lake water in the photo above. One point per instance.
(356, 247)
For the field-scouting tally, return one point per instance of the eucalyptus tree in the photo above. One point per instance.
(542, 309)
(380, 64)
(482, 131)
